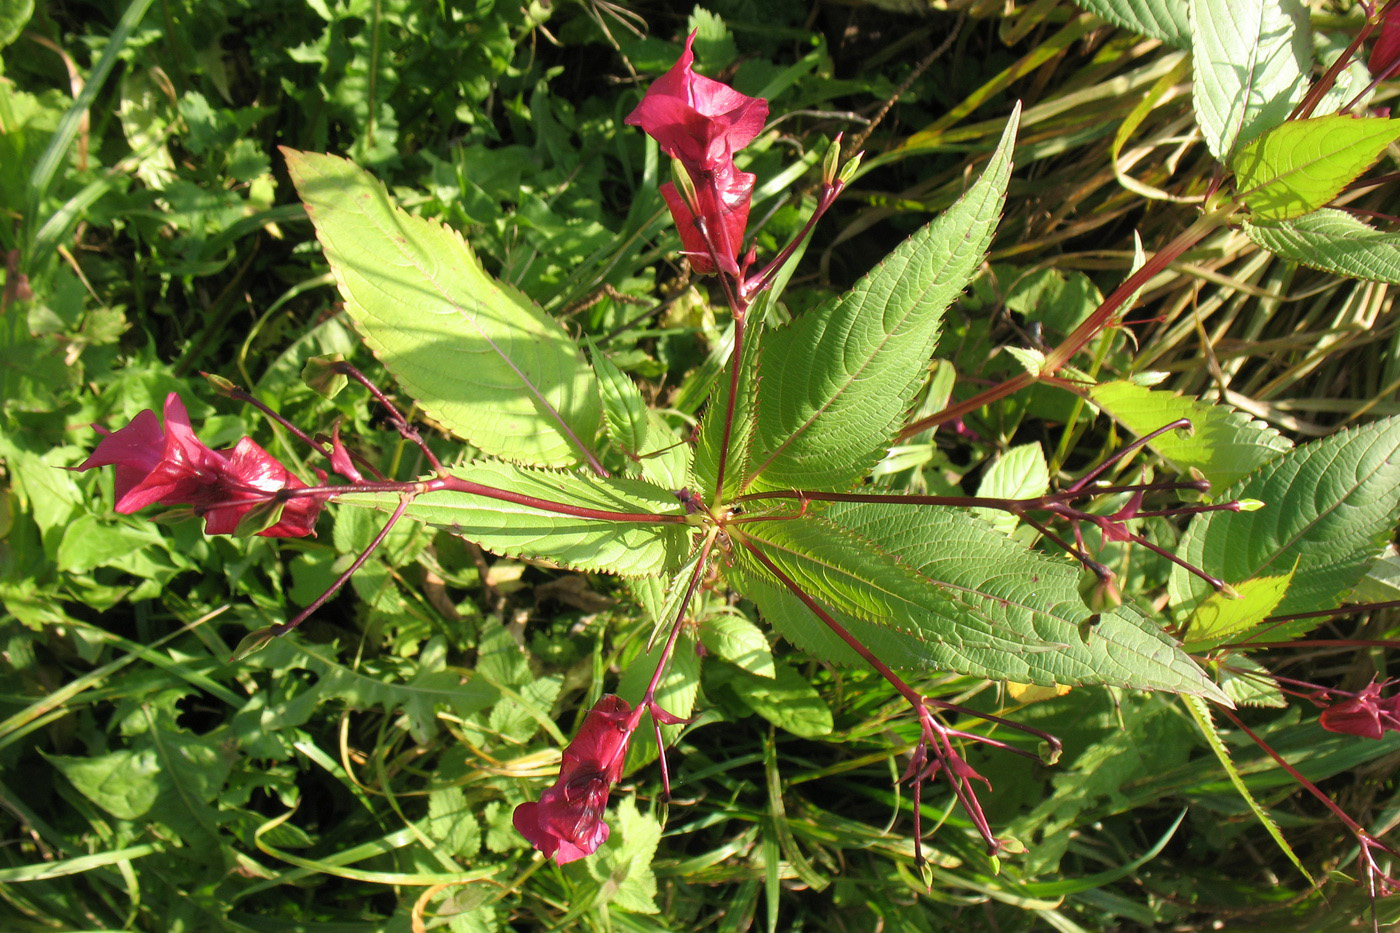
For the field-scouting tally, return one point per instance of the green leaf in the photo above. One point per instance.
(1159, 19)
(478, 356)
(786, 700)
(452, 822)
(1333, 241)
(623, 406)
(515, 530)
(1296, 168)
(738, 641)
(1201, 714)
(676, 694)
(125, 783)
(743, 420)
(1020, 473)
(1248, 683)
(624, 867)
(838, 382)
(14, 16)
(1382, 581)
(1225, 444)
(1250, 62)
(967, 599)
(1222, 618)
(1329, 506)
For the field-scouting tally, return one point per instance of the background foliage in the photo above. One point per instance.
(362, 776)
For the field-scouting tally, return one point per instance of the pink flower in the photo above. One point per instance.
(696, 119)
(170, 466)
(567, 821)
(1365, 714)
(702, 123)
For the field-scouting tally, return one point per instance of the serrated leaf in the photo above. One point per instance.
(838, 382)
(738, 641)
(1201, 714)
(1248, 683)
(1225, 444)
(967, 599)
(666, 457)
(1020, 473)
(625, 873)
(1333, 241)
(479, 357)
(786, 700)
(1296, 168)
(512, 529)
(1250, 62)
(623, 406)
(1222, 618)
(1330, 505)
(1159, 19)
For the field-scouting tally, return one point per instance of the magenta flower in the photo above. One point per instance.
(696, 119)
(702, 123)
(567, 821)
(1367, 714)
(171, 467)
(1386, 52)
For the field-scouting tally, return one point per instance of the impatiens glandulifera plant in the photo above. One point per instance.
(775, 496)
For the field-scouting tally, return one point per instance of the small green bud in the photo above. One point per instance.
(1100, 594)
(320, 374)
(220, 384)
(848, 171)
(832, 161)
(1249, 505)
(685, 185)
(259, 518)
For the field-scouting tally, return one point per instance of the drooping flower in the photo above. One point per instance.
(701, 123)
(566, 823)
(696, 119)
(1367, 714)
(1386, 52)
(170, 466)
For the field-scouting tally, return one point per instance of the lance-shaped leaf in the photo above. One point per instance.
(838, 382)
(1296, 168)
(1329, 505)
(623, 405)
(1333, 241)
(1224, 444)
(742, 415)
(1250, 61)
(1159, 19)
(479, 357)
(514, 529)
(980, 604)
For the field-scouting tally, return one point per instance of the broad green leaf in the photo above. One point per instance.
(1382, 581)
(676, 694)
(1159, 19)
(838, 382)
(1333, 241)
(1248, 683)
(786, 700)
(125, 782)
(737, 640)
(1201, 714)
(14, 16)
(478, 356)
(1222, 618)
(1020, 473)
(666, 457)
(967, 599)
(1225, 444)
(1296, 168)
(513, 529)
(624, 865)
(1329, 505)
(623, 405)
(1250, 63)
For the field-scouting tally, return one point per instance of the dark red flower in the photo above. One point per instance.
(1386, 52)
(171, 467)
(725, 207)
(702, 123)
(1367, 714)
(567, 821)
(696, 119)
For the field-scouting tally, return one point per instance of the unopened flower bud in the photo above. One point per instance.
(322, 377)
